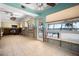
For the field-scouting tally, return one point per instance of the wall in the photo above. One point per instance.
(70, 37)
(9, 24)
(24, 26)
(6, 22)
(67, 13)
(0, 23)
(0, 28)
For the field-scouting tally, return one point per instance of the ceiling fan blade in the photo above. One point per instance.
(51, 4)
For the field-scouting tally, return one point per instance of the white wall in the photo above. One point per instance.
(64, 14)
(8, 24)
(0, 22)
(71, 37)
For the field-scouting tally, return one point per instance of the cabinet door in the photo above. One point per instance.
(66, 45)
(75, 47)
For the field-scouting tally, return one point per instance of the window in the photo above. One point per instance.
(40, 27)
(30, 26)
(49, 35)
(74, 24)
(63, 26)
(77, 26)
(50, 26)
(40, 34)
(57, 26)
(26, 25)
(69, 25)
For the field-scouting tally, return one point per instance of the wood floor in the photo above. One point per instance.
(18, 45)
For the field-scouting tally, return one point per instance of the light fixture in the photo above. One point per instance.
(42, 6)
(11, 14)
(38, 6)
(13, 18)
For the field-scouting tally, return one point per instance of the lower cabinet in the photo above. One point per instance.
(75, 47)
(70, 46)
(65, 45)
(54, 42)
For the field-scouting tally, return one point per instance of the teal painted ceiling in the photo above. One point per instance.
(58, 7)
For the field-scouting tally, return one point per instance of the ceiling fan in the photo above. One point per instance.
(11, 14)
(41, 6)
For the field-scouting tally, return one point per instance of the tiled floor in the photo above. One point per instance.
(18, 45)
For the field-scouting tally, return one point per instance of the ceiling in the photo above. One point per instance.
(6, 10)
(32, 9)
(35, 6)
(69, 13)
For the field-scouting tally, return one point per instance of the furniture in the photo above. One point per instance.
(11, 31)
